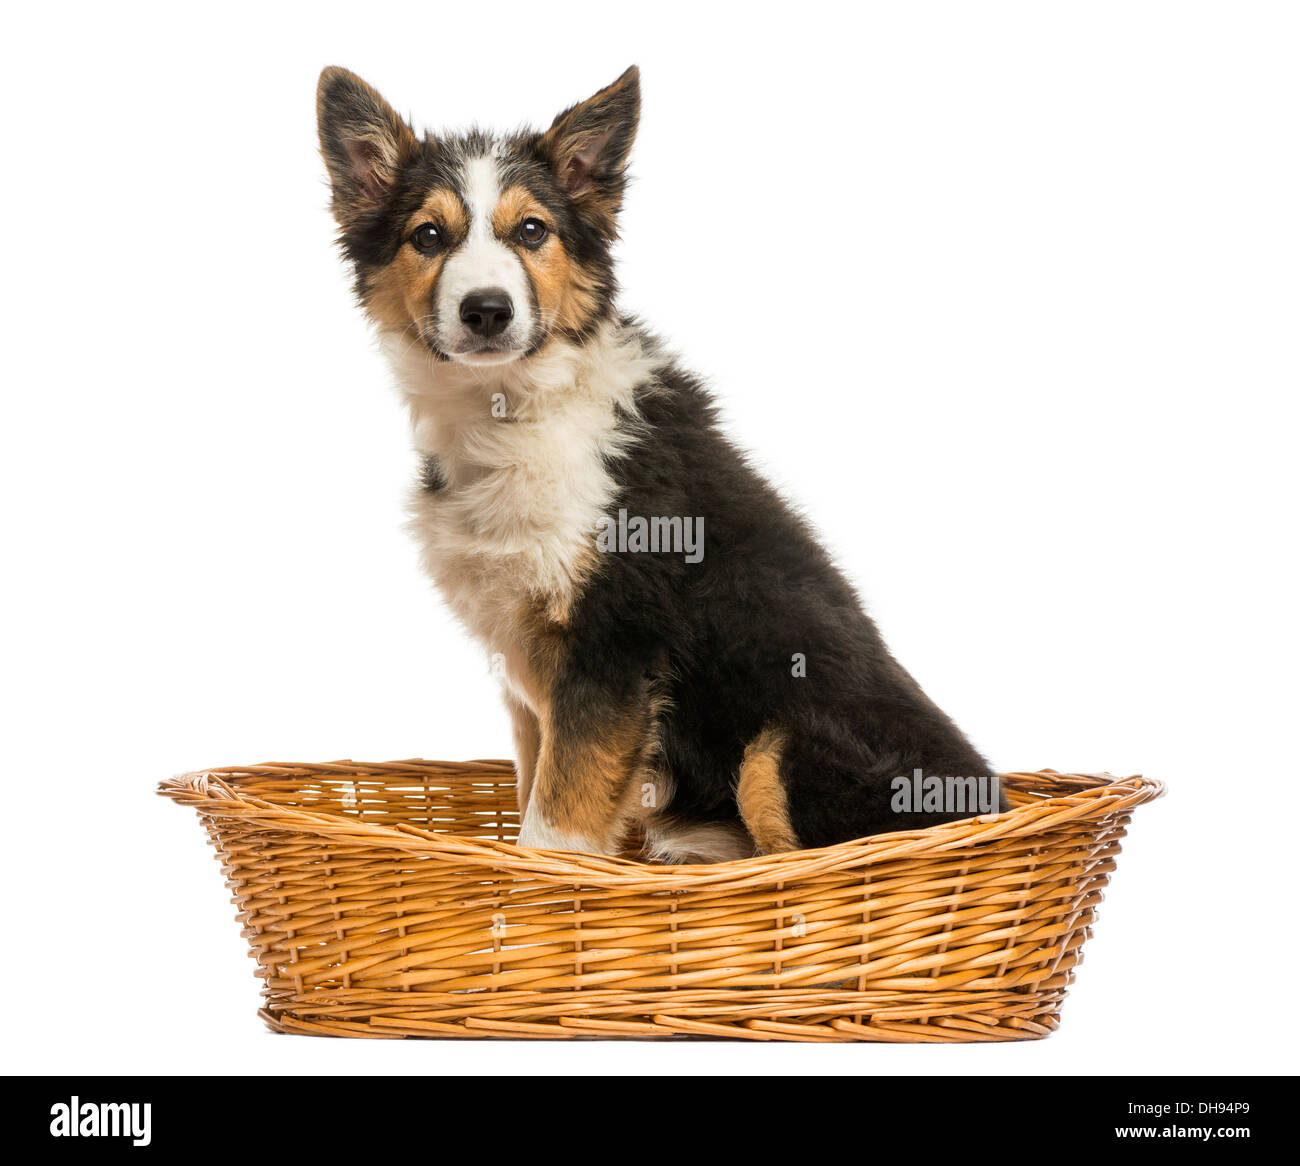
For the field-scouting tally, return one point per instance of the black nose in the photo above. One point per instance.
(485, 313)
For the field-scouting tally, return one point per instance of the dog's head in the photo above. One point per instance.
(482, 248)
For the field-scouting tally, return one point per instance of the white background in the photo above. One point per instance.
(1005, 295)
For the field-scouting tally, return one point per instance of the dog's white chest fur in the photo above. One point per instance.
(525, 463)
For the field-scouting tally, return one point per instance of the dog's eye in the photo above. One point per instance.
(426, 237)
(531, 232)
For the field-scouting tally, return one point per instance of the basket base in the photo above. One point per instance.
(792, 1015)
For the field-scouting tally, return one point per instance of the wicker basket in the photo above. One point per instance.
(387, 900)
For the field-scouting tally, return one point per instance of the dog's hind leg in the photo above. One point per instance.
(760, 794)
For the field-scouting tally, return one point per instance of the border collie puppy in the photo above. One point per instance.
(678, 652)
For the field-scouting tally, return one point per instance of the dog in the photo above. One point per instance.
(678, 653)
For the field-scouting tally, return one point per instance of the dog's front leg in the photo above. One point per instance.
(528, 740)
(593, 748)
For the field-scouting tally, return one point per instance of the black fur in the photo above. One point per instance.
(718, 637)
(431, 475)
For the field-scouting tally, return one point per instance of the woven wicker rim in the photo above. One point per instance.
(216, 792)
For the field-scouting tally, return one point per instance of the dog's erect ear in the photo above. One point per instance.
(364, 143)
(587, 146)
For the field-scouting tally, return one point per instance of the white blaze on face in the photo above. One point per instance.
(483, 262)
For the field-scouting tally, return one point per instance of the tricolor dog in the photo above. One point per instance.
(678, 652)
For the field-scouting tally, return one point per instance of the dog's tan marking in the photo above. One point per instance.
(577, 297)
(587, 784)
(401, 293)
(444, 209)
(565, 290)
(761, 796)
(513, 207)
